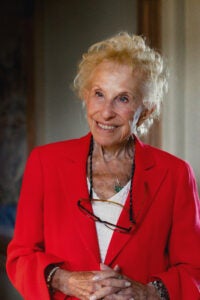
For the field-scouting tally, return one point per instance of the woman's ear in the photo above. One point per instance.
(145, 115)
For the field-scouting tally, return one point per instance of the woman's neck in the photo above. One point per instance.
(120, 151)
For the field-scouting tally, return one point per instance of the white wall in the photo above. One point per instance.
(64, 30)
(181, 44)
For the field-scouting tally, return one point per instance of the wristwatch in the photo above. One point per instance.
(160, 287)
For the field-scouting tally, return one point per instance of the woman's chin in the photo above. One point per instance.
(105, 141)
(109, 140)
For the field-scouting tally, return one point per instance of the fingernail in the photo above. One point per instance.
(93, 297)
(127, 283)
(116, 267)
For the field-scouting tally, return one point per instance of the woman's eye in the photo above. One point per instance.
(123, 99)
(99, 94)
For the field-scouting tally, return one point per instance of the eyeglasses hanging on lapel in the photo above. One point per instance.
(85, 206)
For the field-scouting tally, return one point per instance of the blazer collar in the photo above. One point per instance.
(78, 149)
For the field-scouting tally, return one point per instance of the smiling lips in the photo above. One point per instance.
(106, 127)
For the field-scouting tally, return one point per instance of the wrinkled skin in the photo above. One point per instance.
(107, 283)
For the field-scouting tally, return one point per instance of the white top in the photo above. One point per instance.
(108, 212)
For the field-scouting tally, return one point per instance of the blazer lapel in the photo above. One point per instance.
(85, 225)
(147, 180)
(74, 170)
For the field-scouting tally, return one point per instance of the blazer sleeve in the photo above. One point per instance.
(183, 277)
(26, 257)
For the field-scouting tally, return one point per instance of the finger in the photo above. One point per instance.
(120, 283)
(119, 297)
(105, 267)
(103, 292)
(109, 273)
(117, 268)
(127, 291)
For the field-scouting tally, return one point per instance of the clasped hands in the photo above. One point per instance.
(108, 284)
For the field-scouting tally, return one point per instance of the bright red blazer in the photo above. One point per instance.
(50, 228)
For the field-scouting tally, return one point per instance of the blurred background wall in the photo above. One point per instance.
(41, 43)
(68, 28)
(181, 114)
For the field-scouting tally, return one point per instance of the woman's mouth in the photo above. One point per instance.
(106, 127)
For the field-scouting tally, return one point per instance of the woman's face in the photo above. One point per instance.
(112, 97)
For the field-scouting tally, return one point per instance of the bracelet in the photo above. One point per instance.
(161, 289)
(51, 270)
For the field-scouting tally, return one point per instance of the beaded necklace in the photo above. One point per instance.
(131, 213)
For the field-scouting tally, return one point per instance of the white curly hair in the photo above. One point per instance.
(131, 50)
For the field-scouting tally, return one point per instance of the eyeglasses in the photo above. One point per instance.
(83, 205)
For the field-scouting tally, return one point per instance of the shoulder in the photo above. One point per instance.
(177, 169)
(161, 158)
(72, 147)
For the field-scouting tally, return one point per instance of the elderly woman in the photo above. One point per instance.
(106, 216)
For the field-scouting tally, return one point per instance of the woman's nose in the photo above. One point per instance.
(108, 110)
